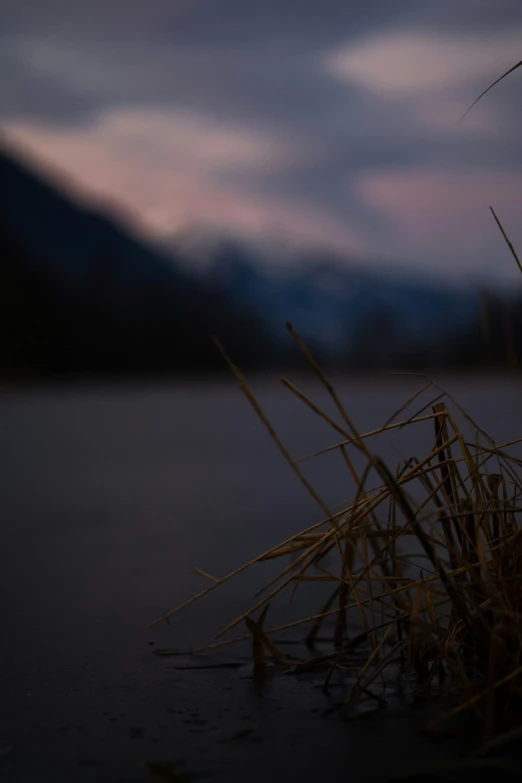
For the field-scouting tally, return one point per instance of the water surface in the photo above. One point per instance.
(109, 497)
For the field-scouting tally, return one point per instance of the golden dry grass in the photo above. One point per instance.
(457, 623)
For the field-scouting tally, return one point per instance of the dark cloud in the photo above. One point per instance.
(263, 65)
(27, 93)
(465, 16)
(238, 58)
(205, 22)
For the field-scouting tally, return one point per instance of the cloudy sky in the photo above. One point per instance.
(318, 121)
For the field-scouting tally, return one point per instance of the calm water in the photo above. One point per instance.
(119, 493)
(109, 497)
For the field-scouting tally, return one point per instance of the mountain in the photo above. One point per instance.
(341, 309)
(80, 294)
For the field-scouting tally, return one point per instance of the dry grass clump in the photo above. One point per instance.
(457, 623)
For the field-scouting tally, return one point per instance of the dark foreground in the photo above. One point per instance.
(108, 500)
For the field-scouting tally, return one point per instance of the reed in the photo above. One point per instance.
(455, 623)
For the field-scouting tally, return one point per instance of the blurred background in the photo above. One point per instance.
(180, 168)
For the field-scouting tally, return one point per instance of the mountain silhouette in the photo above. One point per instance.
(348, 314)
(80, 295)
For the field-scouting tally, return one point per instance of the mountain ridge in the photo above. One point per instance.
(101, 299)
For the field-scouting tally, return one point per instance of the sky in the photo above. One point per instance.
(317, 122)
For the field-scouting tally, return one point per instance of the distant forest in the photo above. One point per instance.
(491, 342)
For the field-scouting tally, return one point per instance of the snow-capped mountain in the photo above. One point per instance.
(326, 297)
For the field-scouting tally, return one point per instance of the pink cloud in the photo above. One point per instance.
(169, 169)
(411, 62)
(431, 79)
(443, 217)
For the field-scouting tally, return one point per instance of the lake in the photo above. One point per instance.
(109, 498)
